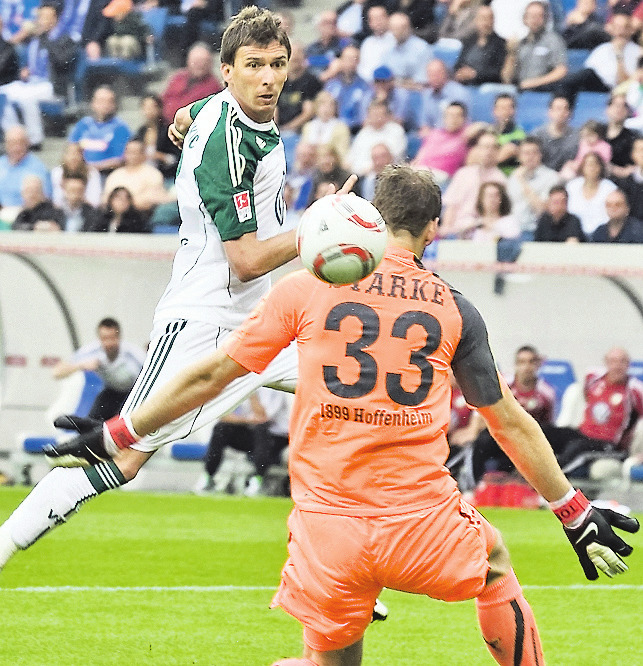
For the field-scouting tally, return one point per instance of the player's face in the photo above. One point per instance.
(256, 79)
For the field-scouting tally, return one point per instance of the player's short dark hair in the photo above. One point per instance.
(252, 25)
(407, 198)
(109, 322)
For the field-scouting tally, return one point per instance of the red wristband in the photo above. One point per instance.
(120, 433)
(572, 509)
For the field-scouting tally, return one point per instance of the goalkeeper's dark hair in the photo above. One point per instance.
(252, 26)
(407, 198)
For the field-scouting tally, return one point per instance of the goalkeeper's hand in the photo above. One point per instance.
(590, 532)
(95, 443)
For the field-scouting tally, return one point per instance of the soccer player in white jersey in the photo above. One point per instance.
(230, 192)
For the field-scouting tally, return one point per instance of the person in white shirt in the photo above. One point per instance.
(378, 128)
(410, 54)
(374, 48)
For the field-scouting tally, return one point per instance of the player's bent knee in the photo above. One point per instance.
(499, 560)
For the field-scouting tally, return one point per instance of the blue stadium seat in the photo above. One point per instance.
(483, 97)
(590, 106)
(36, 444)
(636, 369)
(447, 50)
(532, 109)
(165, 229)
(576, 59)
(559, 374)
(188, 451)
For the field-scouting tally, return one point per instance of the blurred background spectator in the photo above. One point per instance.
(621, 227)
(380, 41)
(440, 90)
(120, 215)
(79, 215)
(38, 213)
(74, 165)
(325, 128)
(381, 156)
(558, 139)
(493, 219)
(556, 224)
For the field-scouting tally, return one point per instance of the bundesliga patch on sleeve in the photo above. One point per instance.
(242, 205)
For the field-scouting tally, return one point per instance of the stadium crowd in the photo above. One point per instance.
(544, 100)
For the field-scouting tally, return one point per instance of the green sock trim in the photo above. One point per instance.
(105, 476)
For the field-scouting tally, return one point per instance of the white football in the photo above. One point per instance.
(341, 238)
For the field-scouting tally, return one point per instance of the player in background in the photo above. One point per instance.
(374, 504)
(230, 194)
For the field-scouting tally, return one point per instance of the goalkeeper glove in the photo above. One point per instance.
(590, 532)
(95, 443)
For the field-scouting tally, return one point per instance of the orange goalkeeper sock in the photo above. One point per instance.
(508, 624)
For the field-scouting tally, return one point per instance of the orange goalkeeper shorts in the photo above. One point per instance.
(338, 565)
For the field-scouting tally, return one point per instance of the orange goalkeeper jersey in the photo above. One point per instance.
(371, 412)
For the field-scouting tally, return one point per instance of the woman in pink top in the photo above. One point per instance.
(592, 140)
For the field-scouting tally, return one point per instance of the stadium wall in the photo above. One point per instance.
(572, 302)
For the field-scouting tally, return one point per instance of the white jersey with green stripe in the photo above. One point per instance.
(229, 183)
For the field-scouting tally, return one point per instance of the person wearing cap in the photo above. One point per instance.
(398, 99)
(128, 31)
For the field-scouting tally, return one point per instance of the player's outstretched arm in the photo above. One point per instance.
(190, 389)
(588, 529)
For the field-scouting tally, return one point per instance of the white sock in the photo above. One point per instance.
(57, 497)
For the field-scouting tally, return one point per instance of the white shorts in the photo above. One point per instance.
(175, 345)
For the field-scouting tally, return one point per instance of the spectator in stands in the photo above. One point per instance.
(296, 102)
(373, 50)
(508, 18)
(539, 60)
(444, 149)
(621, 227)
(613, 406)
(351, 20)
(537, 398)
(159, 150)
(619, 137)
(93, 26)
(16, 164)
(38, 213)
(299, 177)
(633, 91)
(588, 192)
(9, 66)
(329, 45)
(459, 201)
(440, 91)
(143, 181)
(633, 184)
(459, 22)
(49, 65)
(102, 135)
(18, 17)
(378, 127)
(493, 219)
(608, 64)
(558, 139)
(529, 185)
(128, 34)
(381, 157)
(114, 360)
(120, 215)
(592, 140)
(325, 127)
(422, 15)
(196, 13)
(483, 53)
(349, 90)
(400, 101)
(510, 134)
(194, 82)
(79, 215)
(557, 224)
(583, 27)
(73, 165)
(328, 170)
(409, 55)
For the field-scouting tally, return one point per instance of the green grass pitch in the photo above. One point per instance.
(177, 579)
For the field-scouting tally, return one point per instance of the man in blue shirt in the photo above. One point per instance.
(439, 93)
(17, 163)
(103, 135)
(350, 91)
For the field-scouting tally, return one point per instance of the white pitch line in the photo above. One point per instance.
(251, 588)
